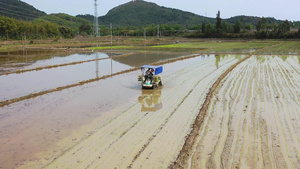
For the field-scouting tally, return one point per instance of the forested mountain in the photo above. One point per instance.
(132, 18)
(66, 20)
(141, 13)
(251, 19)
(19, 10)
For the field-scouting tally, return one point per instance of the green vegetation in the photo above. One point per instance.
(141, 13)
(19, 10)
(76, 24)
(113, 47)
(286, 48)
(18, 29)
(139, 19)
(220, 47)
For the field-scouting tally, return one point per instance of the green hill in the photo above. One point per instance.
(251, 19)
(65, 20)
(19, 10)
(141, 13)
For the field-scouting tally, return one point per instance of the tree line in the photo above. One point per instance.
(18, 29)
(262, 30)
(41, 29)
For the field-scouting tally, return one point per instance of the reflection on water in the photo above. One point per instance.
(150, 100)
(13, 63)
(139, 59)
(218, 59)
(263, 58)
(17, 85)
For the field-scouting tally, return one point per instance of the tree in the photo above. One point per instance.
(248, 26)
(225, 27)
(284, 27)
(237, 27)
(203, 27)
(258, 26)
(218, 24)
(65, 32)
(8, 26)
(85, 28)
(209, 30)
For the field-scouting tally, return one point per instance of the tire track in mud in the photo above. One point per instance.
(186, 151)
(33, 95)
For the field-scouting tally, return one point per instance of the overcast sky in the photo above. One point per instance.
(279, 9)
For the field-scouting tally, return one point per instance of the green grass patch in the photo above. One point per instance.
(286, 48)
(219, 46)
(113, 47)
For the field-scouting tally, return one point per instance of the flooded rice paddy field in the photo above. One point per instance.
(113, 123)
(45, 126)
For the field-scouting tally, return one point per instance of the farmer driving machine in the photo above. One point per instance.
(149, 77)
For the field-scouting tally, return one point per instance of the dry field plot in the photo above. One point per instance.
(254, 117)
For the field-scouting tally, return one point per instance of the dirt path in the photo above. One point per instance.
(143, 139)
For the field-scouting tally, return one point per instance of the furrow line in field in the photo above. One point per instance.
(275, 101)
(293, 78)
(109, 127)
(238, 125)
(267, 140)
(128, 148)
(231, 149)
(259, 121)
(181, 121)
(268, 109)
(288, 101)
(146, 123)
(159, 129)
(209, 142)
(185, 154)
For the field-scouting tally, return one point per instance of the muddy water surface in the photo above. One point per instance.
(35, 131)
(18, 85)
(13, 63)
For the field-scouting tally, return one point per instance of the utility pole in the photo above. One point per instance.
(110, 36)
(96, 21)
(145, 37)
(157, 31)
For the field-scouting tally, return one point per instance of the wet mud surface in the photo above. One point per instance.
(252, 119)
(37, 130)
(251, 122)
(151, 132)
